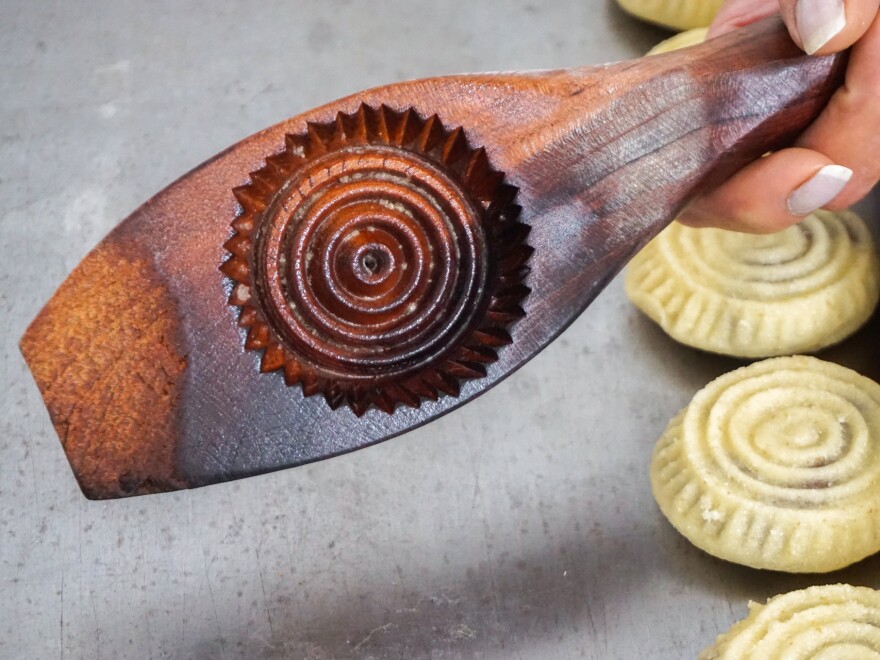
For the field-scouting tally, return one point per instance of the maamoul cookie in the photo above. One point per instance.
(675, 14)
(776, 466)
(756, 296)
(680, 40)
(833, 622)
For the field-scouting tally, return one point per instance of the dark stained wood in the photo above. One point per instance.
(140, 357)
(377, 261)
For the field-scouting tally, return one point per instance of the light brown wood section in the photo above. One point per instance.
(109, 366)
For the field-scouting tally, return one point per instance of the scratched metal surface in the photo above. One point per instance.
(521, 526)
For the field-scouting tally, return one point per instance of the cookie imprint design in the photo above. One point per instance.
(826, 622)
(378, 260)
(756, 296)
(777, 466)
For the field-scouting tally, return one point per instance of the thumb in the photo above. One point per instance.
(828, 26)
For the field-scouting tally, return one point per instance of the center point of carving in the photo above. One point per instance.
(372, 262)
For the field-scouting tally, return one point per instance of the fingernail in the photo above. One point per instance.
(824, 186)
(818, 21)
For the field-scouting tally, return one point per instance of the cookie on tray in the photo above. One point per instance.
(680, 40)
(674, 14)
(756, 296)
(830, 621)
(776, 466)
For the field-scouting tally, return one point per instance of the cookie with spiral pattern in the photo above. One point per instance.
(776, 466)
(755, 296)
(829, 622)
(674, 14)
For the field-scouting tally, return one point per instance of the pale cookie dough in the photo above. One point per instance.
(833, 622)
(680, 40)
(776, 466)
(675, 14)
(755, 296)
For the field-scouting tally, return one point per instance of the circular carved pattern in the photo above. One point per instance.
(378, 260)
(373, 269)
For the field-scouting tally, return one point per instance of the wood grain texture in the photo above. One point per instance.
(378, 261)
(602, 157)
(108, 357)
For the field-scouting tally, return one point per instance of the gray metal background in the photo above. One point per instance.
(521, 526)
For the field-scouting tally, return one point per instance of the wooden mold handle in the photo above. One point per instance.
(644, 137)
(761, 91)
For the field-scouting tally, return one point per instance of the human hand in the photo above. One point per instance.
(836, 161)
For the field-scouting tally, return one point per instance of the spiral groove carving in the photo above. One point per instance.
(379, 260)
(795, 291)
(777, 465)
(821, 623)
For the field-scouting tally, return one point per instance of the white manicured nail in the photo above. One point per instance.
(818, 21)
(825, 185)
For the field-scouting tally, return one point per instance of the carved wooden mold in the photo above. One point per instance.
(370, 254)
(378, 260)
